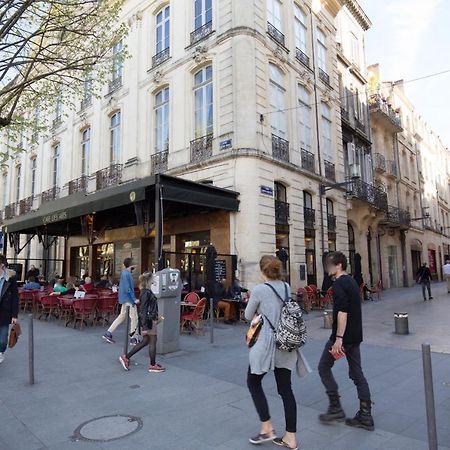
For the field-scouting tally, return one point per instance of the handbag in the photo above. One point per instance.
(253, 332)
(14, 334)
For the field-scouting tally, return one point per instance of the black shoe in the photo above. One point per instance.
(335, 413)
(424, 299)
(431, 298)
(363, 418)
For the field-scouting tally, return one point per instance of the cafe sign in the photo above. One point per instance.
(56, 217)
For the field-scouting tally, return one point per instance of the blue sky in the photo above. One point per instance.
(410, 39)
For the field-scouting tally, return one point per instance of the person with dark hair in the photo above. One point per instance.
(345, 341)
(128, 301)
(31, 284)
(33, 272)
(9, 303)
(424, 278)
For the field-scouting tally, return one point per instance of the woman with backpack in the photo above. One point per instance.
(266, 302)
(148, 321)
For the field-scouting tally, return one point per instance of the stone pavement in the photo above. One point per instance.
(202, 403)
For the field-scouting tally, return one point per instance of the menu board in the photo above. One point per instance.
(127, 249)
(220, 269)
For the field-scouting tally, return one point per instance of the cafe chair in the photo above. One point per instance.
(193, 321)
(106, 306)
(83, 310)
(26, 300)
(49, 306)
(192, 297)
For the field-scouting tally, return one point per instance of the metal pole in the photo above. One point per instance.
(127, 331)
(30, 349)
(429, 397)
(211, 320)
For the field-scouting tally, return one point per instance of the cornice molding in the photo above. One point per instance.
(355, 8)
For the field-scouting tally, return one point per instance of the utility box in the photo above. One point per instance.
(167, 289)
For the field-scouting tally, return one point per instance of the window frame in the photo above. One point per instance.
(165, 26)
(56, 166)
(327, 132)
(300, 29)
(322, 50)
(205, 90)
(162, 120)
(18, 182)
(117, 63)
(304, 111)
(115, 137)
(204, 12)
(33, 176)
(277, 102)
(274, 7)
(85, 151)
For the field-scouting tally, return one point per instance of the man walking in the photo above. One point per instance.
(9, 304)
(424, 278)
(345, 341)
(128, 301)
(446, 272)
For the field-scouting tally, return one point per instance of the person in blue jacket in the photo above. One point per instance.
(128, 301)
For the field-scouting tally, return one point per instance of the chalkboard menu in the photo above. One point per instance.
(220, 269)
(127, 249)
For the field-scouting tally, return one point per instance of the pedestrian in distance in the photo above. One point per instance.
(424, 278)
(128, 301)
(345, 341)
(148, 320)
(446, 272)
(9, 303)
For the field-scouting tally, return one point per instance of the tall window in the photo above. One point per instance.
(300, 28)
(162, 120)
(114, 132)
(87, 86)
(58, 109)
(85, 151)
(5, 189)
(163, 30)
(18, 181)
(354, 49)
(277, 99)
(327, 147)
(280, 192)
(56, 169)
(33, 176)
(203, 12)
(304, 118)
(274, 13)
(307, 200)
(330, 207)
(117, 63)
(322, 54)
(203, 93)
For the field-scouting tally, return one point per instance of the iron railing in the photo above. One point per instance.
(50, 194)
(368, 193)
(160, 57)
(10, 211)
(201, 32)
(398, 216)
(330, 170)
(201, 148)
(275, 33)
(379, 162)
(302, 57)
(308, 161)
(309, 215)
(114, 85)
(160, 162)
(108, 177)
(324, 76)
(281, 213)
(280, 148)
(360, 125)
(345, 115)
(391, 168)
(78, 185)
(377, 103)
(86, 102)
(331, 222)
(25, 205)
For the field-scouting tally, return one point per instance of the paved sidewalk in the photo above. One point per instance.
(202, 403)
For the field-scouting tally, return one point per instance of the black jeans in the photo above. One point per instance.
(283, 379)
(426, 285)
(356, 374)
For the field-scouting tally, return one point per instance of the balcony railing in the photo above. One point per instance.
(275, 33)
(50, 194)
(280, 148)
(281, 213)
(309, 215)
(201, 148)
(368, 193)
(398, 216)
(331, 222)
(377, 103)
(160, 57)
(330, 170)
(25, 205)
(201, 32)
(108, 177)
(324, 76)
(302, 57)
(57, 121)
(379, 162)
(10, 211)
(78, 185)
(360, 125)
(308, 161)
(114, 85)
(86, 102)
(345, 115)
(160, 162)
(391, 168)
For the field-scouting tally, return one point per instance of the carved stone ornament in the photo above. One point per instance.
(157, 76)
(306, 78)
(134, 19)
(280, 54)
(200, 53)
(112, 105)
(326, 97)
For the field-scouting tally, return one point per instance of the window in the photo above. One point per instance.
(203, 93)
(304, 118)
(58, 109)
(330, 207)
(87, 87)
(274, 13)
(33, 176)
(203, 12)
(300, 28)
(163, 30)
(327, 147)
(85, 151)
(162, 120)
(280, 192)
(114, 131)
(354, 48)
(321, 50)
(56, 166)
(117, 63)
(5, 189)
(277, 99)
(18, 180)
(307, 200)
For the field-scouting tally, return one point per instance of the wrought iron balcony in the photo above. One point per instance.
(281, 213)
(108, 177)
(302, 57)
(86, 102)
(50, 194)
(280, 148)
(379, 105)
(368, 193)
(324, 76)
(275, 33)
(379, 162)
(10, 211)
(160, 162)
(26, 205)
(331, 222)
(57, 121)
(308, 161)
(201, 148)
(114, 85)
(345, 115)
(391, 168)
(397, 216)
(78, 185)
(309, 215)
(360, 125)
(160, 57)
(201, 32)
(330, 170)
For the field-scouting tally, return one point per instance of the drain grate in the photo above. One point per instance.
(107, 428)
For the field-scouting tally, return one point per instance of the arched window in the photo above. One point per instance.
(115, 137)
(203, 93)
(280, 192)
(85, 151)
(277, 98)
(162, 120)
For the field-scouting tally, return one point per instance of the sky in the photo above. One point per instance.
(410, 39)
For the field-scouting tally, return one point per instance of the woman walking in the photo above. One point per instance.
(148, 319)
(265, 357)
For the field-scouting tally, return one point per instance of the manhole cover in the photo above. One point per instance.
(108, 428)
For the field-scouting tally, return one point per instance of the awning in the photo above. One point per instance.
(115, 207)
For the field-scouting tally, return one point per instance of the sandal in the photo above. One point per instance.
(262, 438)
(281, 443)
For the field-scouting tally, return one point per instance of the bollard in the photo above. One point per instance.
(429, 397)
(211, 321)
(127, 331)
(401, 323)
(328, 319)
(30, 349)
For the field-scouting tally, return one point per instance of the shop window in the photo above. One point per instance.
(79, 261)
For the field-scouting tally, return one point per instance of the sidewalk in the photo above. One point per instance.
(202, 403)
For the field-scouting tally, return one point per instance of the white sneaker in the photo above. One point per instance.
(2, 357)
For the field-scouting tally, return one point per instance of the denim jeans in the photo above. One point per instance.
(4, 332)
(427, 285)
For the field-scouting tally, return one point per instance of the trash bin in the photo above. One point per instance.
(328, 319)
(401, 323)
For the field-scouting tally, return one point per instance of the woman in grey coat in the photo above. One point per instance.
(265, 357)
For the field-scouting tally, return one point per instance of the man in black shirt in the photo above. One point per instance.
(345, 340)
(424, 278)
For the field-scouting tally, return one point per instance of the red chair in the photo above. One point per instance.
(194, 319)
(106, 305)
(83, 310)
(311, 295)
(26, 300)
(192, 297)
(49, 306)
(328, 299)
(65, 308)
